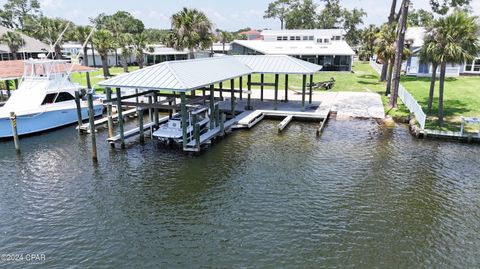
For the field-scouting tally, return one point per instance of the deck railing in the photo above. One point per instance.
(410, 102)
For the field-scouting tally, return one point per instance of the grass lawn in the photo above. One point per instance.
(461, 98)
(462, 95)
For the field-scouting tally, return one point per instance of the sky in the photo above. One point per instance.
(225, 14)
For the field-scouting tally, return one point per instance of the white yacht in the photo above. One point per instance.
(171, 131)
(44, 100)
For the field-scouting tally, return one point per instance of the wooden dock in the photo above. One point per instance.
(135, 131)
(466, 137)
(86, 127)
(254, 117)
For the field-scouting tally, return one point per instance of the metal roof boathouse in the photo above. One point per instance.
(183, 78)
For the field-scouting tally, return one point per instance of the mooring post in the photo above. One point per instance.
(310, 89)
(89, 84)
(7, 84)
(109, 112)
(276, 91)
(286, 87)
(262, 79)
(249, 95)
(140, 124)
(222, 123)
(13, 121)
(183, 113)
(91, 119)
(170, 111)
(241, 87)
(232, 97)
(155, 110)
(221, 90)
(120, 118)
(150, 110)
(16, 84)
(197, 135)
(304, 86)
(194, 130)
(79, 110)
(217, 115)
(212, 107)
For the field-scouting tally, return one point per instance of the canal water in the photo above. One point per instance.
(360, 196)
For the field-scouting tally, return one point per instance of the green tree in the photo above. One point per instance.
(331, 16)
(16, 13)
(125, 42)
(139, 46)
(443, 6)
(429, 54)
(352, 19)
(278, 10)
(191, 29)
(155, 36)
(80, 35)
(224, 37)
(104, 43)
(49, 31)
(420, 18)
(454, 40)
(368, 37)
(301, 15)
(14, 41)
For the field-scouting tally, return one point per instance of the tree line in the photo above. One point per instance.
(190, 29)
(451, 38)
(305, 14)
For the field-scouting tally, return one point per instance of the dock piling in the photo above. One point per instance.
(79, 111)
(7, 84)
(13, 121)
(91, 119)
(184, 115)
(304, 86)
(249, 96)
(232, 97)
(222, 124)
(262, 79)
(221, 90)
(109, 112)
(286, 87)
(155, 110)
(120, 118)
(276, 90)
(140, 124)
(310, 90)
(212, 107)
(241, 87)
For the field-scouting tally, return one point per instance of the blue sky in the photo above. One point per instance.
(229, 15)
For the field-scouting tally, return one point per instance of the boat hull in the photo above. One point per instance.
(40, 122)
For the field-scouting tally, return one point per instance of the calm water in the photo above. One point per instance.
(361, 196)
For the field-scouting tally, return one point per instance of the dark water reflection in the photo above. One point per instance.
(361, 196)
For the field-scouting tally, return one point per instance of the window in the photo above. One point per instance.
(305, 38)
(319, 40)
(279, 38)
(297, 38)
(292, 38)
(63, 97)
(469, 66)
(337, 37)
(310, 38)
(285, 38)
(325, 40)
(49, 99)
(476, 65)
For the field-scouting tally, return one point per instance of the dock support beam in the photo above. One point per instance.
(79, 111)
(155, 110)
(109, 112)
(276, 91)
(91, 120)
(222, 124)
(262, 78)
(183, 113)
(232, 97)
(310, 89)
(7, 84)
(212, 107)
(221, 91)
(16, 84)
(89, 84)
(249, 95)
(241, 87)
(120, 118)
(304, 86)
(286, 88)
(13, 121)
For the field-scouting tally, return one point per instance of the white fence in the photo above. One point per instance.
(407, 99)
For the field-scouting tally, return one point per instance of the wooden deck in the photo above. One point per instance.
(86, 127)
(135, 131)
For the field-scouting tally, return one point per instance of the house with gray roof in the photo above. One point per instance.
(31, 49)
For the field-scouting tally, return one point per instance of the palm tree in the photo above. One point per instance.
(430, 56)
(225, 37)
(368, 36)
(385, 50)
(191, 29)
(139, 46)
(14, 41)
(51, 29)
(104, 43)
(81, 34)
(124, 41)
(454, 40)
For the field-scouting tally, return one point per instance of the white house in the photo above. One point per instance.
(415, 67)
(326, 47)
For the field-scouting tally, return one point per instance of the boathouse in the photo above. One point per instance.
(184, 80)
